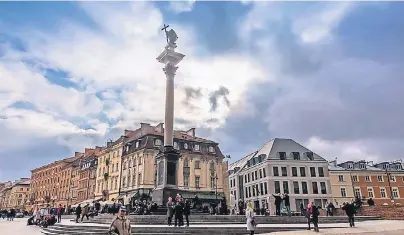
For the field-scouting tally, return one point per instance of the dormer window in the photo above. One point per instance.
(196, 147)
(399, 167)
(350, 166)
(362, 166)
(310, 156)
(296, 155)
(282, 155)
(158, 142)
(176, 145)
(211, 149)
(185, 146)
(386, 166)
(137, 144)
(127, 148)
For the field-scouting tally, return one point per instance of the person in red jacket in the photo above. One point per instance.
(59, 213)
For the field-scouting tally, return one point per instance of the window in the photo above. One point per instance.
(245, 178)
(355, 178)
(137, 144)
(256, 175)
(402, 178)
(321, 172)
(310, 155)
(304, 188)
(196, 147)
(357, 192)
(211, 149)
(284, 171)
(282, 155)
(158, 142)
(185, 146)
(370, 192)
(323, 188)
(252, 176)
(246, 192)
(294, 171)
(197, 179)
(248, 177)
(265, 188)
(340, 178)
(176, 145)
(186, 162)
(392, 178)
(367, 178)
(362, 166)
(296, 155)
(343, 192)
(186, 181)
(312, 171)
(315, 188)
(139, 178)
(383, 193)
(296, 187)
(350, 166)
(212, 182)
(380, 178)
(285, 187)
(260, 173)
(276, 171)
(302, 171)
(261, 188)
(395, 193)
(265, 175)
(197, 165)
(277, 187)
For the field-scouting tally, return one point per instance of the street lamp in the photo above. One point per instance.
(216, 178)
(388, 180)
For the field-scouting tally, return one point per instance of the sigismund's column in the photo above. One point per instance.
(167, 158)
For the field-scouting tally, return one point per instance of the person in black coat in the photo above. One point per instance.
(187, 211)
(278, 201)
(350, 211)
(78, 213)
(178, 213)
(287, 203)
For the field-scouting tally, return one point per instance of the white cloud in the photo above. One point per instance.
(182, 6)
(315, 27)
(342, 150)
(117, 60)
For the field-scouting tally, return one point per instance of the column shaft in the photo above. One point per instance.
(169, 111)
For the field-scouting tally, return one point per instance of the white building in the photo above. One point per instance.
(280, 166)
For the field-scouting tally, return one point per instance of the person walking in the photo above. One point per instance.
(187, 211)
(249, 214)
(286, 201)
(350, 211)
(59, 213)
(278, 201)
(308, 214)
(78, 213)
(314, 218)
(170, 210)
(85, 211)
(120, 225)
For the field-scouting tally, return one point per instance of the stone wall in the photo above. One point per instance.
(390, 212)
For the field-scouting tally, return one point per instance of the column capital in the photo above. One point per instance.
(170, 70)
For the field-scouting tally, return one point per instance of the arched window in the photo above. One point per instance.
(185, 146)
(211, 149)
(212, 166)
(158, 142)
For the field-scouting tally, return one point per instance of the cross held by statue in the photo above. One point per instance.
(165, 29)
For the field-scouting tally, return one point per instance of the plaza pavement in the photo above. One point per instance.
(19, 227)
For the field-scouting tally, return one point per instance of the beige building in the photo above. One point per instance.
(200, 169)
(109, 170)
(19, 194)
(280, 166)
(341, 184)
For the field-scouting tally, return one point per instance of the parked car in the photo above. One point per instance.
(19, 215)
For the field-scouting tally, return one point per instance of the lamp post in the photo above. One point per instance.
(388, 180)
(216, 178)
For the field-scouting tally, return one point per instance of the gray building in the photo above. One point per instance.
(280, 166)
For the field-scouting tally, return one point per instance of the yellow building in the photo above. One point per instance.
(200, 170)
(109, 170)
(19, 194)
(341, 184)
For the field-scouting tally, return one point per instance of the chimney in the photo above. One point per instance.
(159, 128)
(191, 132)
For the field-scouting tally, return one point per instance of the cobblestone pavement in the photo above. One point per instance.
(383, 227)
(18, 227)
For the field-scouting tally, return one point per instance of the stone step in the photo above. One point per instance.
(200, 230)
(155, 220)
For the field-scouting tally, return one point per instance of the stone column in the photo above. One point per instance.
(169, 105)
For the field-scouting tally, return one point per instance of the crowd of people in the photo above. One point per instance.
(9, 214)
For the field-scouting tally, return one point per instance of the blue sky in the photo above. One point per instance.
(328, 75)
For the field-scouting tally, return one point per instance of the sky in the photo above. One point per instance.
(326, 74)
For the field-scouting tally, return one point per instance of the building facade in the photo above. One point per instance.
(87, 175)
(341, 184)
(200, 168)
(109, 169)
(281, 166)
(19, 194)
